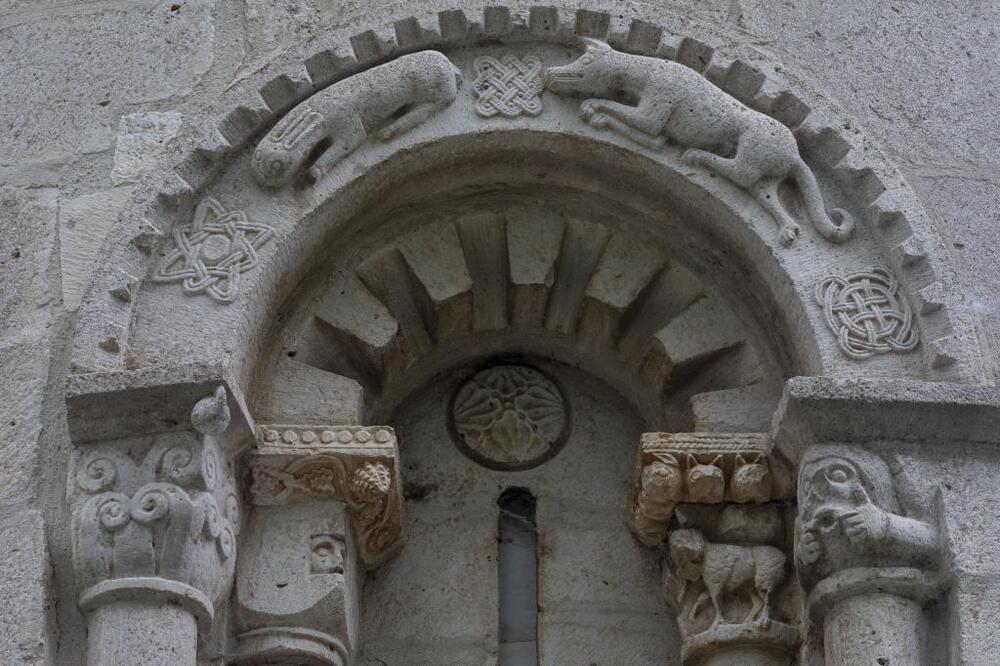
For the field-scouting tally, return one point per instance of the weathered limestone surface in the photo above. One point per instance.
(25, 588)
(95, 93)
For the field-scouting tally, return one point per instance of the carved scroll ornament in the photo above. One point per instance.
(703, 468)
(164, 527)
(677, 103)
(356, 465)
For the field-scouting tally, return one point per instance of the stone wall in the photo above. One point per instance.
(94, 92)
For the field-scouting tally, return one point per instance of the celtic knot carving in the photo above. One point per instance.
(509, 417)
(213, 251)
(866, 313)
(508, 86)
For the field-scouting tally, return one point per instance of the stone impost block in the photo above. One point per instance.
(701, 468)
(356, 465)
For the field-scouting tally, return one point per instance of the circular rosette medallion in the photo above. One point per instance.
(509, 417)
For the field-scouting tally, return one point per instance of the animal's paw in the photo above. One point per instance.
(690, 157)
(589, 108)
(788, 234)
(599, 120)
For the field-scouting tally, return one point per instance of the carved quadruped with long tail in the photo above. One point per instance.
(677, 103)
(383, 102)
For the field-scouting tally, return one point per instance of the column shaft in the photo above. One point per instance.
(124, 633)
(875, 628)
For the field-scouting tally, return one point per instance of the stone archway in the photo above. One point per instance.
(500, 222)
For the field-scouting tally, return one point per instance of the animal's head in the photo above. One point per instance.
(274, 165)
(661, 487)
(751, 480)
(661, 479)
(687, 552)
(705, 481)
(593, 73)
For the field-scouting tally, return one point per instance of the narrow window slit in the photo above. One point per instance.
(517, 570)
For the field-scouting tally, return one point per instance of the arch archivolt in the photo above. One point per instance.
(485, 217)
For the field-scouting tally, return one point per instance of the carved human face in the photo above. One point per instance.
(325, 555)
(590, 74)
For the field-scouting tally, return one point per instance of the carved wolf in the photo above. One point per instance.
(383, 102)
(724, 568)
(677, 103)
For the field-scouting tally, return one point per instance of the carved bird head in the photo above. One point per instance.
(210, 415)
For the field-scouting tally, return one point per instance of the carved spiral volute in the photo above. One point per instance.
(172, 514)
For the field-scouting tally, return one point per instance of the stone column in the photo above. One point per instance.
(710, 499)
(155, 520)
(867, 568)
(328, 504)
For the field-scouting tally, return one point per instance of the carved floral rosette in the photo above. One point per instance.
(356, 465)
(165, 526)
(701, 468)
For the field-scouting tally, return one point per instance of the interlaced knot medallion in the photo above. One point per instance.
(508, 86)
(212, 253)
(866, 313)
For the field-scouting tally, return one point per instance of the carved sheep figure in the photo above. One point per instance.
(725, 568)
(383, 102)
(677, 103)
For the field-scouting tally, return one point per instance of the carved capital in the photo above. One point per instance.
(161, 524)
(357, 465)
(701, 468)
(724, 595)
(850, 520)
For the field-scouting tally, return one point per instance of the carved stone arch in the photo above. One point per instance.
(356, 288)
(894, 228)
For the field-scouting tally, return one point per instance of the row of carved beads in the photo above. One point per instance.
(346, 435)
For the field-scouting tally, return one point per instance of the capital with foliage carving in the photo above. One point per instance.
(157, 516)
(357, 465)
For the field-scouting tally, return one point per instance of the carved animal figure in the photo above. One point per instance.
(723, 569)
(751, 480)
(675, 102)
(661, 488)
(705, 482)
(383, 102)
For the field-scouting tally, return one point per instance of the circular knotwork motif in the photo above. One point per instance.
(866, 313)
(508, 86)
(509, 417)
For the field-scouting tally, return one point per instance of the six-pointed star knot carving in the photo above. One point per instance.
(212, 253)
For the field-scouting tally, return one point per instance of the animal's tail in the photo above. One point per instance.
(836, 226)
